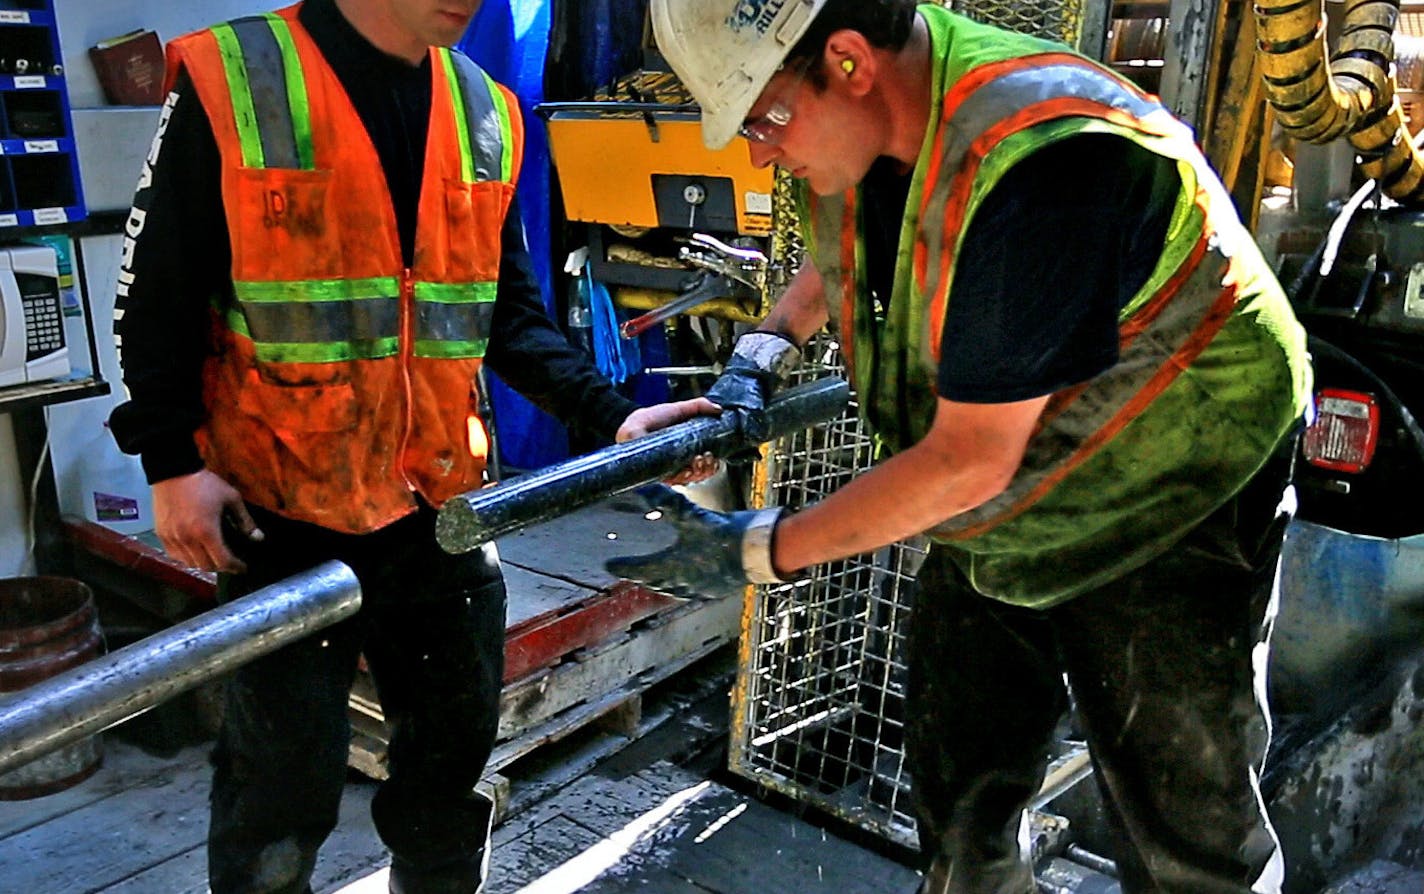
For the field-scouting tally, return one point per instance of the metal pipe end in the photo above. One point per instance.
(457, 529)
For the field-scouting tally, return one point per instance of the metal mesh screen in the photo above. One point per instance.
(1061, 20)
(819, 706)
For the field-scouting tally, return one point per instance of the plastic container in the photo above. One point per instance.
(112, 487)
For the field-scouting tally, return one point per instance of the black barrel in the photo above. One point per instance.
(47, 626)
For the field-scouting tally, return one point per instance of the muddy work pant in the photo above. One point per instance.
(431, 628)
(1166, 671)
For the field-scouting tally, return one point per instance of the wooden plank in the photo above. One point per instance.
(553, 703)
(517, 861)
(688, 631)
(678, 722)
(543, 642)
(671, 827)
(353, 852)
(114, 839)
(135, 555)
(514, 862)
(183, 873)
(125, 767)
(728, 842)
(601, 803)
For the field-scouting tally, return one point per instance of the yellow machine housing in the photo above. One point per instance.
(634, 165)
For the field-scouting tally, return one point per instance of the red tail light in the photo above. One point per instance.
(1346, 428)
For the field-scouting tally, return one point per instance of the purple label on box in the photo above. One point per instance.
(110, 508)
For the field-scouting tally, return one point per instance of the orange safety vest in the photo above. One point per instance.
(343, 384)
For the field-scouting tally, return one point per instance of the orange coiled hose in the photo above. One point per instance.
(1350, 94)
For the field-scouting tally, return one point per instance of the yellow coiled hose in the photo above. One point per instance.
(1351, 94)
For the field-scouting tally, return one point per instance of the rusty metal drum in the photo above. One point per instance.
(47, 626)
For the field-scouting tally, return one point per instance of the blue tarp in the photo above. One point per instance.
(510, 40)
(607, 37)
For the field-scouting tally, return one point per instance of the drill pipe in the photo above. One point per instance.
(87, 699)
(480, 516)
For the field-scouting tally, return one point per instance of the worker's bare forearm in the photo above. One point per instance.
(801, 312)
(904, 496)
(968, 458)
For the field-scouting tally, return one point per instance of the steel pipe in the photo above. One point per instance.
(480, 516)
(94, 696)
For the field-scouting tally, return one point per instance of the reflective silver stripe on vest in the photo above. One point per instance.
(1097, 406)
(486, 128)
(991, 104)
(453, 322)
(267, 77)
(322, 322)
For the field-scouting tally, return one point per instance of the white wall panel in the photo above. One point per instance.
(83, 23)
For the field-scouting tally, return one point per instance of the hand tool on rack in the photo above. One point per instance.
(722, 269)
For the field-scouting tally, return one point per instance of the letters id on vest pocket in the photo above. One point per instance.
(474, 219)
(289, 235)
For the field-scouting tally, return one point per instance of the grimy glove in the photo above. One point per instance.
(759, 366)
(716, 554)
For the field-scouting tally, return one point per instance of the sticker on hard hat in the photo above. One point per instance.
(758, 14)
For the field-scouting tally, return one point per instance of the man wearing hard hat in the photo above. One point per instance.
(1086, 383)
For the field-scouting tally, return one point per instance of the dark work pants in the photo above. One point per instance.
(1166, 667)
(431, 627)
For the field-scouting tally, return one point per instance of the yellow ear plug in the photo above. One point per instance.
(848, 65)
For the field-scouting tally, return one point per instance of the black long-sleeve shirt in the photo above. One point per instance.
(180, 264)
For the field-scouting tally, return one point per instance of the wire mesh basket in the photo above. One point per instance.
(818, 711)
(1061, 20)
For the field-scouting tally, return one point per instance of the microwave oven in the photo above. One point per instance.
(32, 345)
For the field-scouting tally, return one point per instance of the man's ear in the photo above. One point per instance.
(851, 61)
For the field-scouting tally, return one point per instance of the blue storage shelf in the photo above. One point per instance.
(41, 146)
(29, 82)
(39, 167)
(43, 17)
(42, 217)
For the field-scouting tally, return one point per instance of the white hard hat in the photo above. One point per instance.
(725, 52)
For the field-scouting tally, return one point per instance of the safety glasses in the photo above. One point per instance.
(770, 128)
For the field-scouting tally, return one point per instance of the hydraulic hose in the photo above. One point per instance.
(1350, 94)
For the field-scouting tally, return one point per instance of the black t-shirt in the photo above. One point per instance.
(180, 264)
(1054, 252)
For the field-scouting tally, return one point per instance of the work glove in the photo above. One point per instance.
(760, 364)
(716, 554)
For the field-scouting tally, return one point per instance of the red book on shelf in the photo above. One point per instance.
(130, 68)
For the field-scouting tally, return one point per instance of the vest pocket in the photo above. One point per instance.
(280, 228)
(294, 410)
(474, 219)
